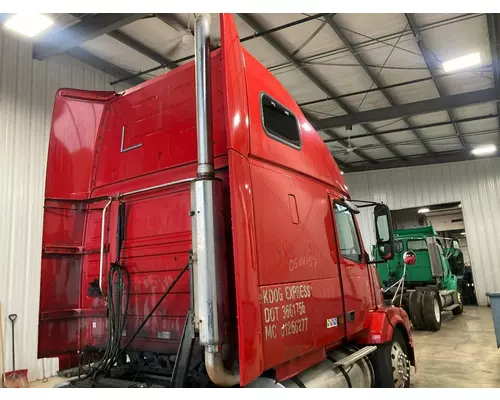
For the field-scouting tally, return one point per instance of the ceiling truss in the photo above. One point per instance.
(91, 26)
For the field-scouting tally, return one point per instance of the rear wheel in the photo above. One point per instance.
(391, 363)
(431, 310)
(415, 308)
(460, 309)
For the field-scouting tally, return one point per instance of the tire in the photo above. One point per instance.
(387, 372)
(415, 308)
(460, 309)
(431, 308)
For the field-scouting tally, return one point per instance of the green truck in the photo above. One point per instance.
(427, 286)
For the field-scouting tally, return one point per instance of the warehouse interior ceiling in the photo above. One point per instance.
(373, 85)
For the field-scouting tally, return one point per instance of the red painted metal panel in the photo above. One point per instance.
(73, 133)
(234, 85)
(291, 252)
(313, 159)
(160, 117)
(289, 369)
(243, 225)
(250, 329)
(295, 317)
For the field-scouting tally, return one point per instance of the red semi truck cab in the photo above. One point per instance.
(250, 250)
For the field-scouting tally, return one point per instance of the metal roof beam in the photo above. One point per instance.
(424, 126)
(444, 157)
(141, 48)
(373, 77)
(406, 110)
(423, 50)
(493, 21)
(73, 36)
(339, 139)
(244, 39)
(308, 73)
(173, 21)
(340, 163)
(394, 85)
(102, 65)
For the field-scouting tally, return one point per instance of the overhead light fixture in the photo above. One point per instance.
(423, 210)
(28, 24)
(467, 61)
(484, 150)
(460, 205)
(463, 233)
(341, 172)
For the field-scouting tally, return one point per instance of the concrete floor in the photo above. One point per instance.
(49, 384)
(463, 354)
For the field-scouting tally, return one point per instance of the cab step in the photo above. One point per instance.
(452, 307)
(352, 358)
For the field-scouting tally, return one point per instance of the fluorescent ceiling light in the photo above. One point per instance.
(484, 150)
(462, 62)
(28, 24)
(463, 233)
(423, 210)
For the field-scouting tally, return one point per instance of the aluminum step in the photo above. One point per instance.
(358, 355)
(452, 307)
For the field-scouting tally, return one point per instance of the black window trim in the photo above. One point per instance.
(273, 136)
(361, 249)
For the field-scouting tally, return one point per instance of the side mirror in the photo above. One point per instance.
(383, 230)
(409, 257)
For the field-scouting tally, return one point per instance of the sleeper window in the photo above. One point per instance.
(350, 247)
(279, 123)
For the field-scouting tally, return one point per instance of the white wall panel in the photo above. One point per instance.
(27, 90)
(475, 183)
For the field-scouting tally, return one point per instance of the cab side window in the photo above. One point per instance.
(349, 244)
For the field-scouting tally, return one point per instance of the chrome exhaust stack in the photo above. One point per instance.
(209, 279)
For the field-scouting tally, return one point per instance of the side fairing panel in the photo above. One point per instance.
(243, 223)
(75, 122)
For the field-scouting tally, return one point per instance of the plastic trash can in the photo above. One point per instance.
(495, 310)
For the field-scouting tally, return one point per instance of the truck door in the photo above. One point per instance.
(353, 269)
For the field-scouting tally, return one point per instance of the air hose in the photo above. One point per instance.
(118, 291)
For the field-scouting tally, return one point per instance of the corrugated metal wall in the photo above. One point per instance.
(475, 183)
(27, 90)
